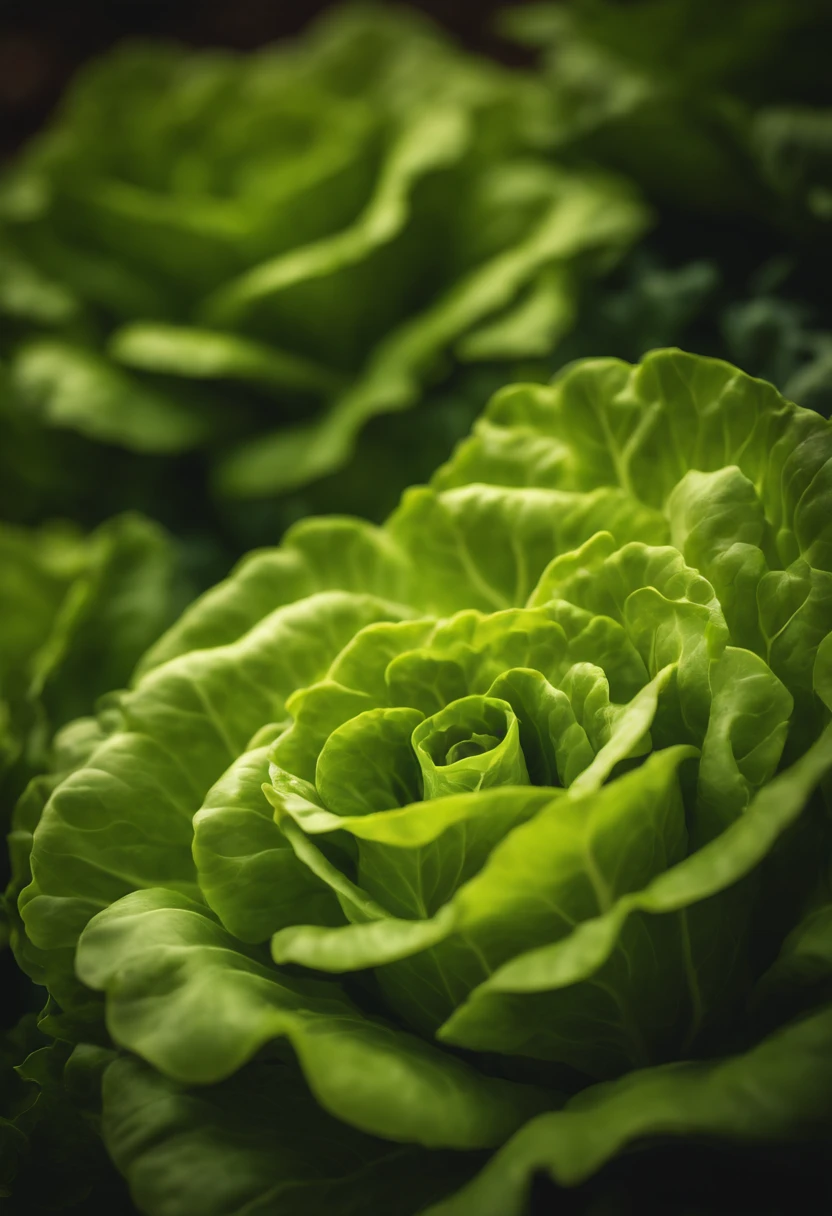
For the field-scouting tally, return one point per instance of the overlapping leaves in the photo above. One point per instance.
(533, 771)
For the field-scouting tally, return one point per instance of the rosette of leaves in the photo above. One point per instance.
(242, 263)
(422, 858)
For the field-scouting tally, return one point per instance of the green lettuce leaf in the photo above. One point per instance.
(259, 1143)
(778, 1090)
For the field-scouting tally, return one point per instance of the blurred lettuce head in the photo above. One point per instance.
(499, 827)
(715, 107)
(77, 611)
(257, 255)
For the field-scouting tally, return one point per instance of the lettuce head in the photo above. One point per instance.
(419, 859)
(722, 108)
(229, 269)
(722, 114)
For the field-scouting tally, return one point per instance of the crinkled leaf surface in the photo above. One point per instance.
(537, 771)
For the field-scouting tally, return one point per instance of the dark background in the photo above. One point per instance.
(42, 42)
